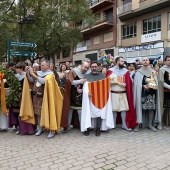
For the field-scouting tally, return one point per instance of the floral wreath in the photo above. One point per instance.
(14, 85)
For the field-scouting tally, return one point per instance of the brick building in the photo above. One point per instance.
(102, 35)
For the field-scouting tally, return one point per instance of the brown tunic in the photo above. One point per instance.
(37, 100)
(67, 95)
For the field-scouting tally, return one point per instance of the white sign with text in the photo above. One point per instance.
(155, 36)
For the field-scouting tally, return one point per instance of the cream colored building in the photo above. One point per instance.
(143, 28)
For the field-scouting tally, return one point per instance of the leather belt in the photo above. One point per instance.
(118, 92)
(166, 90)
(38, 94)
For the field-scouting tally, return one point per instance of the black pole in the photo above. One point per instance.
(20, 23)
(24, 9)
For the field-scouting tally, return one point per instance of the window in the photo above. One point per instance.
(78, 62)
(111, 51)
(152, 25)
(108, 36)
(87, 42)
(126, 2)
(129, 30)
(79, 45)
(109, 15)
(168, 21)
(96, 40)
(92, 57)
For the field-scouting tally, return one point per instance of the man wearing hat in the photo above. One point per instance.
(137, 61)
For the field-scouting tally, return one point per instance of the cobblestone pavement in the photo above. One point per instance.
(113, 150)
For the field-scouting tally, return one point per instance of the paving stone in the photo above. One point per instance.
(109, 167)
(99, 165)
(116, 149)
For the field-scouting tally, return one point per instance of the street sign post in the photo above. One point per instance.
(23, 53)
(23, 44)
(20, 53)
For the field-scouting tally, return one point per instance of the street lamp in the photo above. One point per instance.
(25, 20)
(22, 20)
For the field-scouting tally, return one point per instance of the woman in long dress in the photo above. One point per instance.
(24, 128)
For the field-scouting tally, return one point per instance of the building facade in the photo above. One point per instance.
(102, 35)
(143, 29)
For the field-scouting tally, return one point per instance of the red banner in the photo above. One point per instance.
(99, 91)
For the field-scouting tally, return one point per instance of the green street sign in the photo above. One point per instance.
(23, 53)
(22, 44)
(20, 53)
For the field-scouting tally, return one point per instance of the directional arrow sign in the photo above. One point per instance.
(23, 53)
(23, 44)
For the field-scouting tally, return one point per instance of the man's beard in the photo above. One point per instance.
(95, 72)
(121, 66)
(145, 64)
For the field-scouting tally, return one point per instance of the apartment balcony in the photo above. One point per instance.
(126, 12)
(103, 22)
(123, 9)
(96, 5)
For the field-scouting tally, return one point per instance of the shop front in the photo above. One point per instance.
(152, 51)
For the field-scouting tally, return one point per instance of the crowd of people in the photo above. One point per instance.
(90, 96)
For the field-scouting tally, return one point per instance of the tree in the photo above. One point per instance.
(8, 30)
(54, 28)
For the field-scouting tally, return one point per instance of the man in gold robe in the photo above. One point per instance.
(46, 98)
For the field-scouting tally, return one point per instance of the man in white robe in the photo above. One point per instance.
(95, 109)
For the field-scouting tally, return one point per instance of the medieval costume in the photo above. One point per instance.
(94, 114)
(72, 99)
(164, 86)
(146, 102)
(47, 102)
(122, 99)
(3, 111)
(24, 128)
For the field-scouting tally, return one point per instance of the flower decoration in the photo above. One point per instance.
(105, 59)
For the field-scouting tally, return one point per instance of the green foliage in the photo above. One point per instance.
(54, 28)
(14, 85)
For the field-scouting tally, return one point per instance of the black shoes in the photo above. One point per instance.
(86, 133)
(98, 132)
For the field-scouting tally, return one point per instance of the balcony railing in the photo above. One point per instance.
(94, 2)
(100, 20)
(124, 8)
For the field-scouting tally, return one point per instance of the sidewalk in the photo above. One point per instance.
(113, 150)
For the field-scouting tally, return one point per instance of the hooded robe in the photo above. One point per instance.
(142, 116)
(162, 71)
(72, 99)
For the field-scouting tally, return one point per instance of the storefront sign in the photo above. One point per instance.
(151, 37)
(141, 47)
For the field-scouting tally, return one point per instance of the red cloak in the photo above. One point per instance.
(130, 114)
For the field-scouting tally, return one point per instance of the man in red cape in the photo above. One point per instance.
(121, 94)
